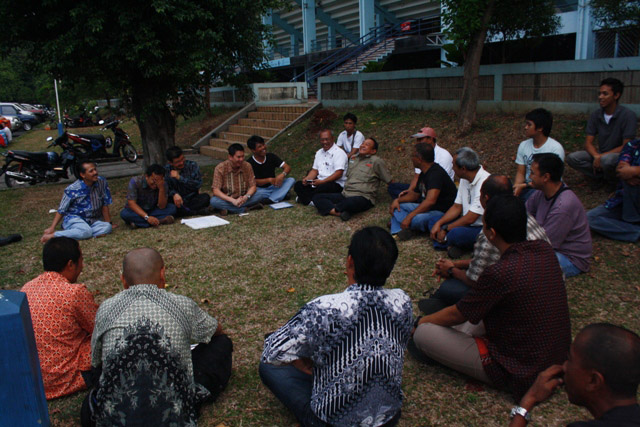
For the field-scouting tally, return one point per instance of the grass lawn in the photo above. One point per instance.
(255, 273)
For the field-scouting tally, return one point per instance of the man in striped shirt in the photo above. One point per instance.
(84, 208)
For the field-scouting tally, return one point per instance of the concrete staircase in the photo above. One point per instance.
(265, 121)
(375, 53)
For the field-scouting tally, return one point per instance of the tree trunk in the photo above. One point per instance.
(157, 126)
(207, 101)
(469, 100)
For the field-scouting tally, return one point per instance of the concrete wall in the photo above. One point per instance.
(561, 86)
(260, 93)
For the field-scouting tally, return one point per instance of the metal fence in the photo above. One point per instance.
(617, 43)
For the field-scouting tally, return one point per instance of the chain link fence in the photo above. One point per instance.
(617, 43)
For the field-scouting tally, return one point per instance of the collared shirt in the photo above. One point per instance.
(189, 183)
(565, 221)
(469, 195)
(444, 159)
(364, 176)
(144, 334)
(630, 154)
(266, 169)
(623, 125)
(145, 196)
(330, 161)
(486, 254)
(356, 340)
(82, 201)
(233, 183)
(522, 301)
(350, 142)
(620, 416)
(63, 316)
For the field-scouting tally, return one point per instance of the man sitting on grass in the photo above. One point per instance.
(63, 314)
(515, 322)
(141, 349)
(436, 190)
(84, 208)
(537, 128)
(271, 188)
(602, 375)
(350, 139)
(339, 360)
(366, 172)
(148, 200)
(184, 179)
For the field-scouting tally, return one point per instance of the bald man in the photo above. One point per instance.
(141, 344)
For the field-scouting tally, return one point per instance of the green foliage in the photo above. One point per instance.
(529, 19)
(373, 67)
(616, 13)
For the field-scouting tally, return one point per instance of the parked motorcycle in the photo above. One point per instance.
(82, 120)
(94, 146)
(24, 167)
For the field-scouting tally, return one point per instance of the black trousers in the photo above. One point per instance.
(306, 192)
(211, 368)
(192, 205)
(326, 201)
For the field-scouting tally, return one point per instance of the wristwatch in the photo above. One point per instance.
(519, 410)
(146, 217)
(450, 271)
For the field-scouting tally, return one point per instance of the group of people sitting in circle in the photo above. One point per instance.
(500, 317)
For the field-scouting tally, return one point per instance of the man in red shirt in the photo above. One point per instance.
(63, 315)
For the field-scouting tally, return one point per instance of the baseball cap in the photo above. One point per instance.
(426, 131)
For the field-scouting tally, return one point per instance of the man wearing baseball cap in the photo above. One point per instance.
(442, 157)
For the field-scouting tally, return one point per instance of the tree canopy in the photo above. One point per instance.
(155, 52)
(616, 13)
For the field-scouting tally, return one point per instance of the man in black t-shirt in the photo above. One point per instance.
(435, 186)
(271, 188)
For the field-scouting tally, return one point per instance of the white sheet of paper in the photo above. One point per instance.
(281, 205)
(204, 222)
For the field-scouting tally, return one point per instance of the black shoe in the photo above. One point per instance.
(431, 305)
(454, 252)
(255, 207)
(345, 216)
(12, 238)
(267, 202)
(415, 352)
(404, 235)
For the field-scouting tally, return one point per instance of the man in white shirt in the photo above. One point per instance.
(442, 157)
(350, 139)
(327, 175)
(458, 228)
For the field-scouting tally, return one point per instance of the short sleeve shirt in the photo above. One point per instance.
(623, 125)
(350, 142)
(364, 176)
(330, 161)
(436, 178)
(266, 169)
(526, 150)
(233, 183)
(145, 196)
(469, 195)
(82, 201)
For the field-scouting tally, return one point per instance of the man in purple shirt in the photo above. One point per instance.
(559, 211)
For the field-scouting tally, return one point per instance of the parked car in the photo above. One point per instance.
(10, 112)
(10, 109)
(39, 112)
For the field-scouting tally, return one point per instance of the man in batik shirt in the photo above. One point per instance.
(84, 209)
(63, 314)
(339, 360)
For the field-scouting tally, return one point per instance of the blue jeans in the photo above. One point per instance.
(623, 221)
(462, 237)
(218, 203)
(451, 291)
(292, 387)
(130, 216)
(567, 266)
(79, 229)
(419, 222)
(273, 193)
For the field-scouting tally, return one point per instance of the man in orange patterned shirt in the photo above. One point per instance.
(63, 315)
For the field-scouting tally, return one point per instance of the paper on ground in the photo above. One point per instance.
(281, 205)
(204, 222)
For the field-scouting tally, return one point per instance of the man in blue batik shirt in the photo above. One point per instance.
(84, 208)
(339, 360)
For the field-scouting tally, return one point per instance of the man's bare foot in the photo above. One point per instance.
(46, 237)
(334, 213)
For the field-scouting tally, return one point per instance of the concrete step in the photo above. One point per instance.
(284, 109)
(262, 123)
(252, 130)
(215, 152)
(238, 137)
(273, 116)
(224, 143)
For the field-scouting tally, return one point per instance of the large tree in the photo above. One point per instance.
(470, 23)
(617, 13)
(157, 53)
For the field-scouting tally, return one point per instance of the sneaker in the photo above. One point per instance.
(454, 252)
(345, 216)
(404, 235)
(255, 207)
(431, 305)
(167, 220)
(311, 204)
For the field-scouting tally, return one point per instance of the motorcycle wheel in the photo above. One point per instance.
(11, 181)
(129, 153)
(74, 168)
(27, 126)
